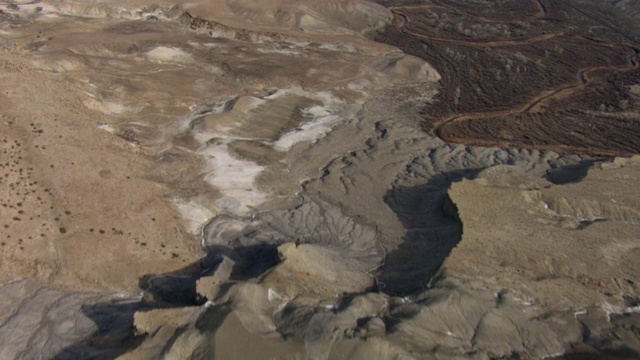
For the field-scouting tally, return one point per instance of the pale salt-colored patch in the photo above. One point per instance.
(106, 127)
(195, 214)
(580, 313)
(338, 47)
(113, 107)
(324, 118)
(273, 295)
(172, 55)
(234, 178)
(632, 310)
(278, 51)
(307, 132)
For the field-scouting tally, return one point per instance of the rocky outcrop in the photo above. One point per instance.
(565, 247)
(559, 248)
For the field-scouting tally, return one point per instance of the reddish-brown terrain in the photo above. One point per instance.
(540, 74)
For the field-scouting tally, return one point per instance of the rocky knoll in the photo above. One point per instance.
(564, 248)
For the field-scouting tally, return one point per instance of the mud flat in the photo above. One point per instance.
(256, 183)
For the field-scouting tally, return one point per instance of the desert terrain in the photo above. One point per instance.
(226, 179)
(555, 75)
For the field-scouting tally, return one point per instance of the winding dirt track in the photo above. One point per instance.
(397, 10)
(495, 43)
(533, 105)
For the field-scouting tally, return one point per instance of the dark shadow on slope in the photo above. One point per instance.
(620, 341)
(570, 174)
(114, 319)
(179, 288)
(115, 334)
(173, 289)
(433, 229)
